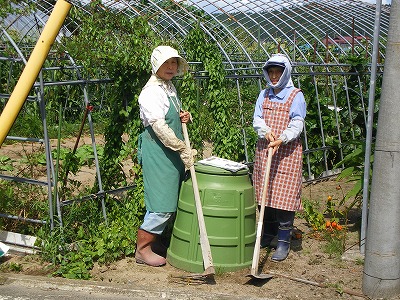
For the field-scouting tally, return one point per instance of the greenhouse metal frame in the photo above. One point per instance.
(313, 34)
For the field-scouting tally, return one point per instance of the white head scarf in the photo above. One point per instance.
(281, 61)
(159, 56)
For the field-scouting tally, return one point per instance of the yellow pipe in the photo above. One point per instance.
(33, 67)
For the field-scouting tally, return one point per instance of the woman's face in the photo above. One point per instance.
(275, 74)
(168, 69)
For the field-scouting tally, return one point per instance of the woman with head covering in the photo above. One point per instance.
(278, 120)
(161, 152)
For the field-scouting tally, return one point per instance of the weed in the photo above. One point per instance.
(312, 215)
(12, 266)
(331, 231)
(336, 241)
(360, 261)
(5, 163)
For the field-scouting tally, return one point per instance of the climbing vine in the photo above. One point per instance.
(121, 46)
(216, 103)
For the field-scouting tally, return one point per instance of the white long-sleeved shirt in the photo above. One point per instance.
(154, 103)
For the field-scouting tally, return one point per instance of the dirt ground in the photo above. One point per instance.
(309, 272)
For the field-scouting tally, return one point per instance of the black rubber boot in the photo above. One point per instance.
(270, 227)
(286, 219)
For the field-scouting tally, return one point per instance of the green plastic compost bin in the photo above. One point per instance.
(230, 216)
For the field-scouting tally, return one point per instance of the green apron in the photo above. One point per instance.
(163, 169)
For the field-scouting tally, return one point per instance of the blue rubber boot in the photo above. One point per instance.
(282, 250)
(286, 219)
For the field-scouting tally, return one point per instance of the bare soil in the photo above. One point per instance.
(309, 272)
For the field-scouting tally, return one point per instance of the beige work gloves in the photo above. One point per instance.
(170, 140)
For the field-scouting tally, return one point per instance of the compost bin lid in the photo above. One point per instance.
(201, 168)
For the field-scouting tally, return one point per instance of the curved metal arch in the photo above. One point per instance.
(183, 31)
(155, 10)
(295, 46)
(325, 22)
(22, 29)
(170, 17)
(234, 21)
(16, 48)
(290, 14)
(41, 12)
(136, 9)
(232, 36)
(242, 25)
(265, 31)
(368, 21)
(174, 24)
(214, 39)
(308, 31)
(315, 26)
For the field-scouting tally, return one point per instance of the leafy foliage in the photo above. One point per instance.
(216, 107)
(312, 215)
(354, 172)
(120, 45)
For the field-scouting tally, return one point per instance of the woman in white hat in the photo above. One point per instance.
(162, 151)
(278, 120)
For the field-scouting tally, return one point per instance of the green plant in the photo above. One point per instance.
(354, 172)
(335, 243)
(359, 261)
(313, 216)
(211, 99)
(5, 163)
(333, 213)
(11, 266)
(85, 238)
(76, 264)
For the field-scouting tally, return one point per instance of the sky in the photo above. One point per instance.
(384, 2)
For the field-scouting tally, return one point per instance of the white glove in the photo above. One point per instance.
(170, 140)
(187, 157)
(167, 136)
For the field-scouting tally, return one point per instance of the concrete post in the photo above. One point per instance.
(33, 67)
(381, 277)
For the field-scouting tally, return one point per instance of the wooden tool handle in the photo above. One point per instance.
(204, 242)
(256, 253)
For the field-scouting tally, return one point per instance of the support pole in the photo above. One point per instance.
(33, 67)
(369, 126)
(381, 277)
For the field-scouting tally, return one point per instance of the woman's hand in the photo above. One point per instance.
(270, 137)
(275, 145)
(185, 116)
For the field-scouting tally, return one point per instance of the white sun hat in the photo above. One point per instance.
(162, 53)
